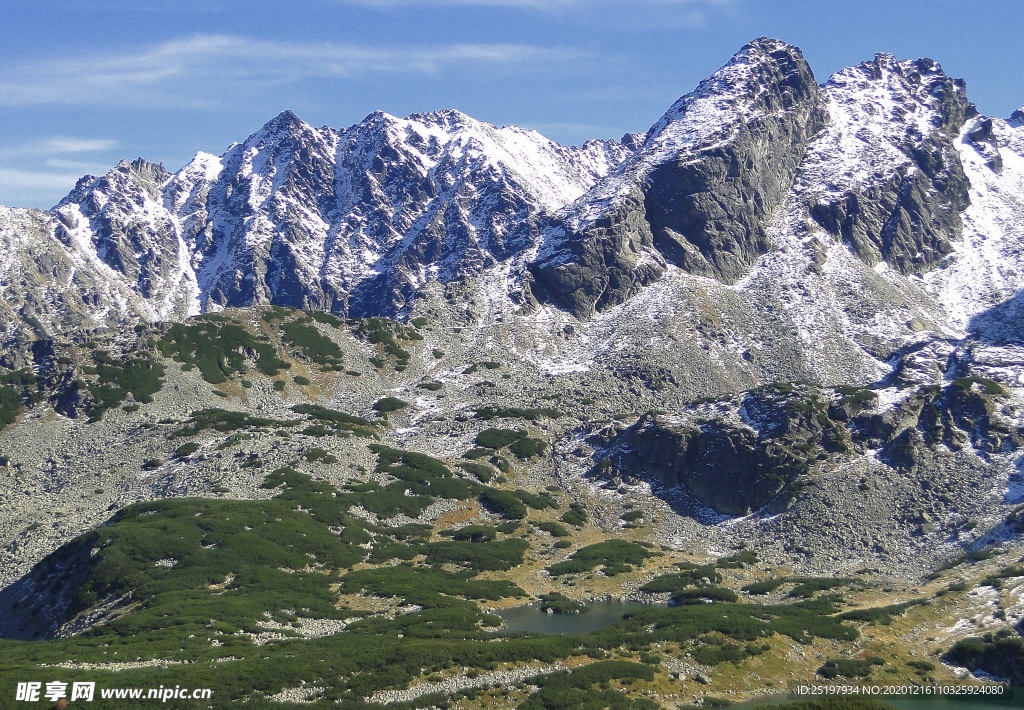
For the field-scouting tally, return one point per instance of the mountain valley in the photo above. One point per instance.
(296, 423)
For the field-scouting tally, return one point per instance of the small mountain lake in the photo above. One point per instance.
(599, 615)
(602, 614)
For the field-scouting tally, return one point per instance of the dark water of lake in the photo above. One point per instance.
(600, 615)
(603, 614)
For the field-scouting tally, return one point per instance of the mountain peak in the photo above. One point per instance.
(283, 124)
(766, 75)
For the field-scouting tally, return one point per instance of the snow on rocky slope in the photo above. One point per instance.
(762, 217)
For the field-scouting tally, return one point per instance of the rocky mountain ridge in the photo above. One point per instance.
(363, 221)
(774, 342)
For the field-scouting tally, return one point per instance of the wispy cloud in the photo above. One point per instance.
(198, 70)
(71, 144)
(37, 179)
(59, 146)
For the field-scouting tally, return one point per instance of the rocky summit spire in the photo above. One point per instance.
(699, 192)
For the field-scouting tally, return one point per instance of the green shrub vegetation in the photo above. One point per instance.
(477, 556)
(507, 505)
(880, 614)
(989, 387)
(220, 349)
(139, 375)
(701, 595)
(387, 334)
(533, 414)
(541, 501)
(849, 667)
(517, 440)
(741, 559)
(483, 472)
(558, 603)
(697, 576)
(389, 404)
(498, 438)
(10, 405)
(570, 690)
(224, 420)
(321, 455)
(1000, 654)
(313, 344)
(474, 533)
(338, 422)
(808, 586)
(185, 450)
(766, 586)
(553, 529)
(326, 319)
(613, 556)
(576, 515)
(857, 397)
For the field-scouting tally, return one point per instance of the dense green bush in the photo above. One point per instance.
(389, 404)
(1000, 654)
(574, 690)
(139, 375)
(702, 575)
(558, 603)
(849, 667)
(808, 586)
(489, 412)
(313, 344)
(880, 614)
(224, 420)
(478, 556)
(576, 515)
(765, 586)
(613, 556)
(503, 503)
(220, 349)
(10, 405)
(701, 595)
(493, 438)
(553, 529)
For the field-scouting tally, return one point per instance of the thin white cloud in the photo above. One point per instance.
(56, 148)
(83, 166)
(71, 144)
(37, 179)
(199, 70)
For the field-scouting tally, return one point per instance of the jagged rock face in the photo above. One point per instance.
(48, 287)
(708, 207)
(360, 221)
(355, 221)
(729, 465)
(720, 464)
(699, 192)
(122, 215)
(894, 185)
(739, 461)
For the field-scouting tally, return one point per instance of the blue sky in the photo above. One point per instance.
(84, 83)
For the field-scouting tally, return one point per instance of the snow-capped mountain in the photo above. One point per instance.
(878, 193)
